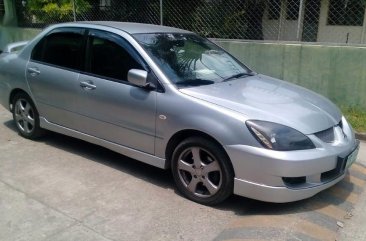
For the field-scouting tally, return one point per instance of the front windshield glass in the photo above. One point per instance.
(190, 60)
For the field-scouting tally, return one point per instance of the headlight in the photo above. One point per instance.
(278, 137)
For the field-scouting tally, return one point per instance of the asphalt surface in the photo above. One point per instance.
(61, 188)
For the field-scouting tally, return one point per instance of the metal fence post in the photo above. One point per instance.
(74, 9)
(300, 19)
(363, 29)
(161, 12)
(283, 6)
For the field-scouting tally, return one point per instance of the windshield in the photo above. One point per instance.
(190, 60)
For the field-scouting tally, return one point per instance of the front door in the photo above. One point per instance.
(109, 106)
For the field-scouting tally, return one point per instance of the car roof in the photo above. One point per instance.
(133, 28)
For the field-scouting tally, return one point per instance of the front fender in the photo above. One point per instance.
(178, 112)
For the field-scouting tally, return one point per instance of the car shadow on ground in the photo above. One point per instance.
(241, 206)
(105, 156)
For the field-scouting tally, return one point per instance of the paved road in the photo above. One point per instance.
(60, 188)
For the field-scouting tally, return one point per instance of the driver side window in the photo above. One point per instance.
(107, 58)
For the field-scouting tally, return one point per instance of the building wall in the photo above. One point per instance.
(326, 33)
(280, 29)
(338, 34)
(270, 28)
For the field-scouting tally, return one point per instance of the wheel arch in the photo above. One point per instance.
(181, 135)
(13, 93)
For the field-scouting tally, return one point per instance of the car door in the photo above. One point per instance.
(110, 107)
(53, 72)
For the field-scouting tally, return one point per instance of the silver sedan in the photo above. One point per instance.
(172, 99)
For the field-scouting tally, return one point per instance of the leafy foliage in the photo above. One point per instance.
(217, 19)
(56, 10)
(356, 117)
(235, 19)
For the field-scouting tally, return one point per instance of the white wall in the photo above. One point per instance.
(326, 33)
(272, 29)
(337, 34)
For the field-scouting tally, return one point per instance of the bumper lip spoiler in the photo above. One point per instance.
(11, 47)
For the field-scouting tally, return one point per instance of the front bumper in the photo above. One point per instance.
(278, 194)
(276, 176)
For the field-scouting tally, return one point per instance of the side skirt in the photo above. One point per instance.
(132, 153)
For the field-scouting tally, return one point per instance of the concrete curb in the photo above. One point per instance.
(361, 136)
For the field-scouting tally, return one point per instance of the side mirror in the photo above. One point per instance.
(137, 77)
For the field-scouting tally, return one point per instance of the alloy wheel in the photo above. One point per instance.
(199, 172)
(24, 116)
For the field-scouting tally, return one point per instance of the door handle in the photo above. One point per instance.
(87, 85)
(34, 71)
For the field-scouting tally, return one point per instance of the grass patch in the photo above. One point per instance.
(356, 117)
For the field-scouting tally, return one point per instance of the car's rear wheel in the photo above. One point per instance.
(202, 171)
(26, 117)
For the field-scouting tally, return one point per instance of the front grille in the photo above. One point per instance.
(326, 135)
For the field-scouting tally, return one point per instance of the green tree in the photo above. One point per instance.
(236, 19)
(56, 10)
(180, 14)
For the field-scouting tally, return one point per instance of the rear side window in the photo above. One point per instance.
(60, 48)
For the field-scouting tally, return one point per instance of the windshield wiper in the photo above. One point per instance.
(194, 82)
(235, 76)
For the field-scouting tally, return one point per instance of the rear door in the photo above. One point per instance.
(53, 73)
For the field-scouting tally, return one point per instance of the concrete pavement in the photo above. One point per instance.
(61, 188)
(355, 229)
(326, 216)
(362, 153)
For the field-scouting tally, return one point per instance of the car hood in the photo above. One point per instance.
(261, 97)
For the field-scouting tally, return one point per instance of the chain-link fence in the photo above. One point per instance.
(2, 10)
(337, 21)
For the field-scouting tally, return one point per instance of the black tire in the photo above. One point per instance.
(198, 183)
(26, 117)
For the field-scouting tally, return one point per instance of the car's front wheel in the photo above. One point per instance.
(26, 117)
(202, 171)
